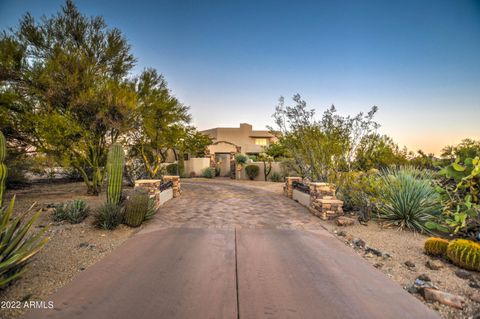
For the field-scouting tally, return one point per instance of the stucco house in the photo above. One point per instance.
(238, 139)
(231, 140)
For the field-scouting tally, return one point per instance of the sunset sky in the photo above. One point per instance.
(418, 61)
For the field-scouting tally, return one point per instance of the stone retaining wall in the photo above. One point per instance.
(152, 187)
(177, 190)
(323, 201)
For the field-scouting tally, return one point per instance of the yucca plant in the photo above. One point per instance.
(407, 198)
(17, 247)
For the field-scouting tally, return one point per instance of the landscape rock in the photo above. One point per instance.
(359, 242)
(474, 284)
(451, 300)
(475, 296)
(342, 233)
(83, 245)
(345, 221)
(373, 251)
(378, 265)
(434, 264)
(424, 277)
(412, 289)
(410, 264)
(462, 273)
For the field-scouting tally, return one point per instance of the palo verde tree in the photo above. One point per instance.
(69, 95)
(160, 121)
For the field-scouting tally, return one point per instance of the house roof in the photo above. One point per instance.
(265, 134)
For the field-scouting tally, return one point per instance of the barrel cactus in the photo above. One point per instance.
(436, 246)
(3, 167)
(136, 208)
(115, 164)
(464, 253)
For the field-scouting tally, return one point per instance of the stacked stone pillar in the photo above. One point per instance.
(324, 202)
(288, 188)
(152, 187)
(175, 184)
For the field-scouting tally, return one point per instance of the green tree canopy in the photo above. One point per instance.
(378, 151)
(320, 148)
(63, 84)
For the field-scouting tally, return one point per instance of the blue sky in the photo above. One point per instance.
(419, 61)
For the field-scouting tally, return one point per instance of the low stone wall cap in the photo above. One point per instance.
(330, 201)
(141, 181)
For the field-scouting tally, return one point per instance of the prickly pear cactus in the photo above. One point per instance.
(115, 173)
(3, 167)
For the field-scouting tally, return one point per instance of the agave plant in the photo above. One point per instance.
(17, 247)
(73, 211)
(407, 198)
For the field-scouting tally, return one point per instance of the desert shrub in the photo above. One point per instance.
(19, 165)
(407, 198)
(16, 247)
(109, 216)
(358, 191)
(208, 172)
(252, 171)
(136, 208)
(192, 175)
(253, 157)
(72, 211)
(72, 174)
(276, 177)
(464, 253)
(241, 159)
(436, 246)
(172, 169)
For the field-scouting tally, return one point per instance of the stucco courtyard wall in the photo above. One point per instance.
(196, 165)
(276, 168)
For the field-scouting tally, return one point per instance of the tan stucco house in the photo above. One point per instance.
(238, 139)
(231, 140)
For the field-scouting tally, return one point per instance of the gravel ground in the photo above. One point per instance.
(71, 249)
(407, 246)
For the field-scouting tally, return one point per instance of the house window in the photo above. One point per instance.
(261, 141)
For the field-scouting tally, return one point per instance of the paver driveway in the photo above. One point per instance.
(227, 251)
(227, 204)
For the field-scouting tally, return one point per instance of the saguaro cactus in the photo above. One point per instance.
(3, 167)
(115, 173)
